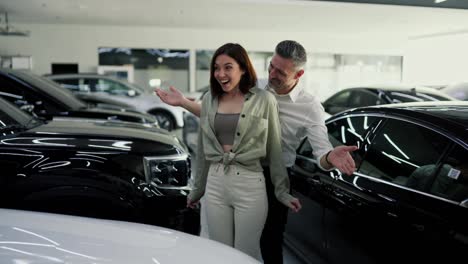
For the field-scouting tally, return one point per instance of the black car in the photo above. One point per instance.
(381, 94)
(407, 202)
(103, 87)
(111, 169)
(45, 98)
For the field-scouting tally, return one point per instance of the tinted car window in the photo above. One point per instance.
(346, 131)
(339, 99)
(350, 130)
(399, 149)
(10, 90)
(61, 96)
(25, 99)
(71, 84)
(451, 180)
(5, 120)
(363, 98)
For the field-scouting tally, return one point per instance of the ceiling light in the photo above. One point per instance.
(439, 1)
(10, 31)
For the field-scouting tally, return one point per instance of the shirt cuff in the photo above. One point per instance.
(320, 165)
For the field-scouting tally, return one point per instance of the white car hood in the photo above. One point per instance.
(31, 237)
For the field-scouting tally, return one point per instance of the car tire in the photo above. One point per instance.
(165, 120)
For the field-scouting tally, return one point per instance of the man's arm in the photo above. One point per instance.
(175, 98)
(327, 156)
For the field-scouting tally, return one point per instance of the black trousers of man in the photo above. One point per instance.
(271, 241)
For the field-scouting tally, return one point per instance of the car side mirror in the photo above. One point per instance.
(29, 108)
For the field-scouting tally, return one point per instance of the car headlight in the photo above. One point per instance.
(168, 172)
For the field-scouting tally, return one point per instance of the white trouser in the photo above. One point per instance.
(203, 221)
(236, 207)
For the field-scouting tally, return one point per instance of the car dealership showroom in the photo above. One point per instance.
(233, 131)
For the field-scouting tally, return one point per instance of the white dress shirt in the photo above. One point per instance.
(301, 115)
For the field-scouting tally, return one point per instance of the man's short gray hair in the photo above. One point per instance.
(290, 49)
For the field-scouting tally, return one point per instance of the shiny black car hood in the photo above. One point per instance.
(102, 136)
(109, 114)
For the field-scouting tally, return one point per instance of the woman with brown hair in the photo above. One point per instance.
(239, 127)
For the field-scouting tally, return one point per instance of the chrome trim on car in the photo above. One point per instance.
(404, 188)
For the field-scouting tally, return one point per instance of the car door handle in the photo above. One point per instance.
(337, 194)
(314, 180)
(418, 227)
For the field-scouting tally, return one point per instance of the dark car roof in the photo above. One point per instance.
(403, 89)
(451, 116)
(47, 86)
(93, 76)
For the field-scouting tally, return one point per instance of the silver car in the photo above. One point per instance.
(33, 237)
(101, 87)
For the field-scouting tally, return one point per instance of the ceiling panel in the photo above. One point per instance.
(329, 18)
(457, 4)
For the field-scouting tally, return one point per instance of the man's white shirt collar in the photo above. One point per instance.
(292, 95)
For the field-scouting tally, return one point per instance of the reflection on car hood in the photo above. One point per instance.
(132, 116)
(30, 237)
(89, 128)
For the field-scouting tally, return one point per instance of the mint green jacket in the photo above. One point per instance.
(257, 137)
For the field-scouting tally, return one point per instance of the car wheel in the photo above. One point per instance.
(165, 120)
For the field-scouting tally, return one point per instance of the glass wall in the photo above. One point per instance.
(326, 73)
(152, 67)
(260, 61)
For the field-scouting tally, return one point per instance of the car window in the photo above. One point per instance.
(10, 112)
(25, 99)
(340, 99)
(399, 149)
(363, 98)
(70, 84)
(51, 89)
(451, 180)
(10, 91)
(350, 130)
(111, 87)
(345, 131)
(6, 120)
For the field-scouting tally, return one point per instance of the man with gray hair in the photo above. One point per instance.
(301, 115)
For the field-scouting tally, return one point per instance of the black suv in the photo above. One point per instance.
(47, 99)
(406, 203)
(111, 169)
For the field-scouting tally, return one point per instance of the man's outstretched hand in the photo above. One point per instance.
(340, 158)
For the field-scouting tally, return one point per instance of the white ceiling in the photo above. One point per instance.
(331, 18)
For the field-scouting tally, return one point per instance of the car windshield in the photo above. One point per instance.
(135, 87)
(60, 94)
(409, 96)
(11, 115)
